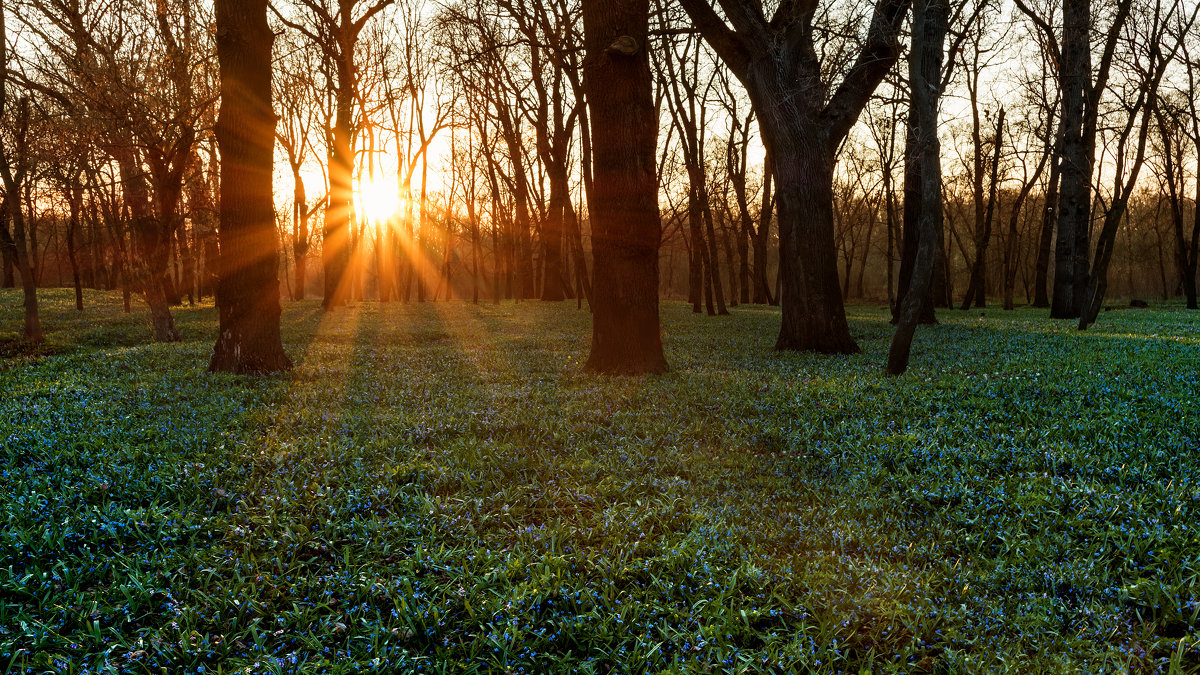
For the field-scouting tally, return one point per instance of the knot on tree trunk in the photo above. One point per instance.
(624, 45)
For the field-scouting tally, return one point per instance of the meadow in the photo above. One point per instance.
(438, 488)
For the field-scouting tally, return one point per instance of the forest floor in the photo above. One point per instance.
(438, 488)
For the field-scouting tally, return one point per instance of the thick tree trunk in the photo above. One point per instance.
(248, 290)
(626, 231)
(911, 223)
(813, 316)
(1074, 218)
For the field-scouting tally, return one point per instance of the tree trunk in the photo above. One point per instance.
(299, 232)
(696, 257)
(16, 252)
(1187, 251)
(713, 262)
(554, 284)
(1049, 222)
(762, 287)
(930, 18)
(977, 288)
(813, 316)
(911, 223)
(149, 243)
(626, 230)
(1074, 218)
(248, 290)
(75, 195)
(335, 242)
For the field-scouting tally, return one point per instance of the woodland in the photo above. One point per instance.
(677, 336)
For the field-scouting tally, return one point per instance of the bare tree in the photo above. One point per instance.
(930, 19)
(803, 119)
(14, 169)
(334, 28)
(626, 231)
(1148, 64)
(248, 292)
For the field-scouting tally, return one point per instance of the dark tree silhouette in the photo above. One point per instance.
(335, 31)
(248, 289)
(14, 170)
(930, 19)
(626, 338)
(802, 125)
(1077, 143)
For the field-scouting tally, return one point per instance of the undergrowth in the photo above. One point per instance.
(438, 488)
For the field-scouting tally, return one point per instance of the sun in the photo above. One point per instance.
(377, 200)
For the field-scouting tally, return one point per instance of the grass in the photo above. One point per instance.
(438, 488)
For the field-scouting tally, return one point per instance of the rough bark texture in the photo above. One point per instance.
(1075, 214)
(626, 337)
(248, 289)
(930, 19)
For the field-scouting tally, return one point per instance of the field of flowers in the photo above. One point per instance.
(438, 488)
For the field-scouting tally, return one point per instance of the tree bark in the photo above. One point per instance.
(911, 223)
(626, 231)
(802, 126)
(248, 289)
(1074, 218)
(930, 18)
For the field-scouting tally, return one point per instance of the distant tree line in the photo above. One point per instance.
(784, 151)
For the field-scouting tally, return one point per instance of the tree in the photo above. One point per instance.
(1148, 63)
(294, 91)
(803, 120)
(335, 31)
(248, 289)
(930, 19)
(1178, 122)
(626, 338)
(14, 169)
(137, 71)
(1077, 146)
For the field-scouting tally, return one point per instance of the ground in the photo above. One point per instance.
(438, 488)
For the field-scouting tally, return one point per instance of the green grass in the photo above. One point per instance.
(438, 488)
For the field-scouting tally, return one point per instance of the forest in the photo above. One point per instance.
(599, 336)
